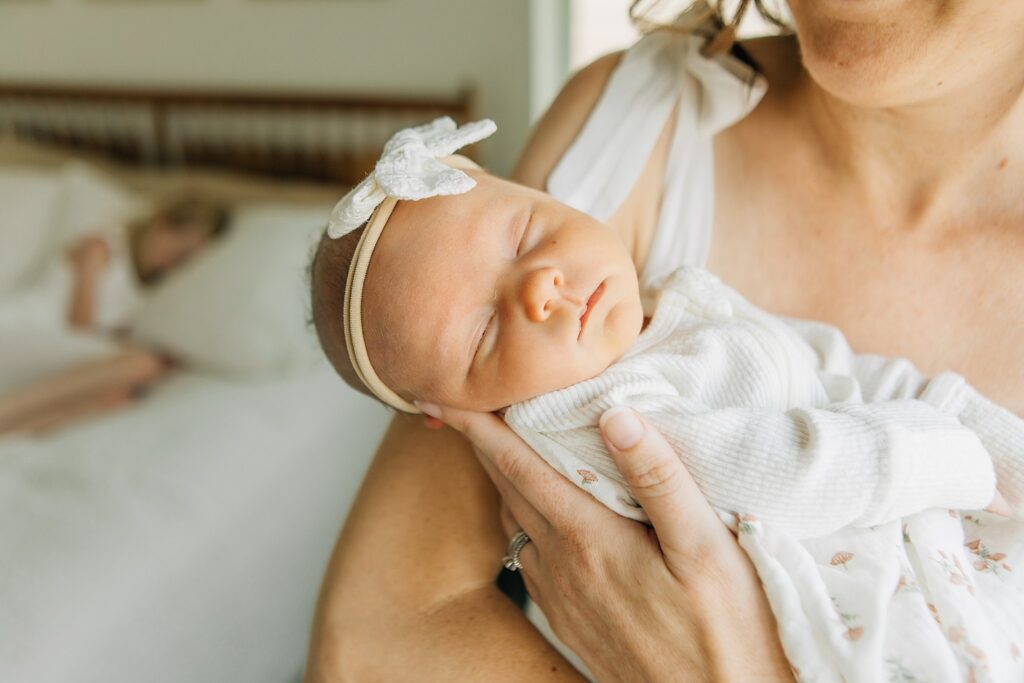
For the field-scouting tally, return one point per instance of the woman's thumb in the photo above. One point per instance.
(656, 476)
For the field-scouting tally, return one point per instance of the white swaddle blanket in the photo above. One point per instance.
(842, 474)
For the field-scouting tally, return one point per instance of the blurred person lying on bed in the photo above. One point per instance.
(110, 270)
(95, 287)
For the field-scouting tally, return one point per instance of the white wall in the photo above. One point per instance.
(602, 26)
(380, 46)
(598, 27)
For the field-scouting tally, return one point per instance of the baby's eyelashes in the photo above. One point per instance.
(482, 338)
(522, 231)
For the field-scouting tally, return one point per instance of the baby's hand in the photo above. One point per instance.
(999, 506)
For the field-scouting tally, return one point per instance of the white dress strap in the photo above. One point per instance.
(602, 165)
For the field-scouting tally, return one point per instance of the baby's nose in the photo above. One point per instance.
(540, 292)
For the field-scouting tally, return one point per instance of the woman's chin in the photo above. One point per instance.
(868, 56)
(866, 68)
(861, 11)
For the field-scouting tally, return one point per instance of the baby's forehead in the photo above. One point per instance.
(431, 272)
(433, 260)
(449, 227)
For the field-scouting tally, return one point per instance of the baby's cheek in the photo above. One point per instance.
(558, 368)
(622, 327)
(526, 372)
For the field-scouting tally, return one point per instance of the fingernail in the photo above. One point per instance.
(430, 409)
(623, 427)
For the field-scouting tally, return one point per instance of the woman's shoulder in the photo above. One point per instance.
(776, 57)
(563, 121)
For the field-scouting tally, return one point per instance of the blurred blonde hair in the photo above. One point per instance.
(186, 207)
(709, 18)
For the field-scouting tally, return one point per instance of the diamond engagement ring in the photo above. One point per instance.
(515, 546)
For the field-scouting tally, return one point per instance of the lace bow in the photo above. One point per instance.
(410, 168)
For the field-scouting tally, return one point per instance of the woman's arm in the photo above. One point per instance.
(409, 593)
(89, 258)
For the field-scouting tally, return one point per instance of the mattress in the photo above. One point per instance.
(181, 540)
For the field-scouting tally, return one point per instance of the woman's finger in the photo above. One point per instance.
(509, 524)
(529, 560)
(479, 428)
(531, 566)
(518, 472)
(519, 510)
(432, 423)
(657, 478)
(529, 556)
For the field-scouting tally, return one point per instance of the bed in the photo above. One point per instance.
(184, 539)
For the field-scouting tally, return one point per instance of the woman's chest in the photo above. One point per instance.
(947, 299)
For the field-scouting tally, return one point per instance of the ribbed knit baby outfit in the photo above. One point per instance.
(843, 475)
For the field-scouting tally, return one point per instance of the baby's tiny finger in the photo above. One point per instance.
(999, 506)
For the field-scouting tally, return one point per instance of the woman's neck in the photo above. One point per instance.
(958, 152)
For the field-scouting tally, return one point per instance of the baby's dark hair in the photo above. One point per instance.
(328, 277)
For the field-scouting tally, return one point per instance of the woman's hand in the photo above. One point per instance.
(90, 254)
(676, 602)
(89, 257)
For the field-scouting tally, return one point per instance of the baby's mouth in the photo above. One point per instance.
(591, 302)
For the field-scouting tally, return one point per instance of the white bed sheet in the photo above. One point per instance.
(183, 540)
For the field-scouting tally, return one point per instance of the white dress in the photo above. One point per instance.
(36, 339)
(933, 597)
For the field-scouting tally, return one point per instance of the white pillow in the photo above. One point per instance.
(42, 211)
(91, 201)
(241, 307)
(29, 203)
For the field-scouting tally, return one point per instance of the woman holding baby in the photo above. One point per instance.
(874, 186)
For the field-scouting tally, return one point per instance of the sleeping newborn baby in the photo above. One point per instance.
(840, 473)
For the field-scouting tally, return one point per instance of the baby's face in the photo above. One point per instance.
(492, 297)
(162, 248)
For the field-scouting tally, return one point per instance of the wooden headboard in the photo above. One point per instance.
(307, 136)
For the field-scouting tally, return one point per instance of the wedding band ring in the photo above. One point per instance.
(515, 546)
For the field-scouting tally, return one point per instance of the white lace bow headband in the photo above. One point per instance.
(417, 163)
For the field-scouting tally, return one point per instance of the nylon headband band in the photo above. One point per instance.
(352, 307)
